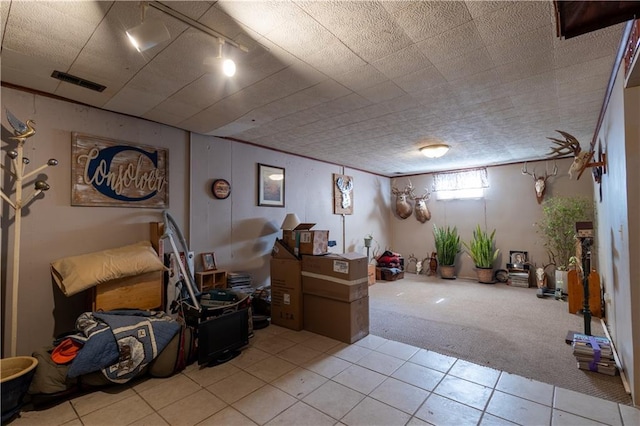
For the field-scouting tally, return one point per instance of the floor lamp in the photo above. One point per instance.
(22, 131)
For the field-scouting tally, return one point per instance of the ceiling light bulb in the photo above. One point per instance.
(276, 176)
(229, 67)
(435, 150)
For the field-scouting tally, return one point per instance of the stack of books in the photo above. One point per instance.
(239, 281)
(594, 353)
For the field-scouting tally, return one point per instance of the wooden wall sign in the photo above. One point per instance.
(342, 194)
(107, 172)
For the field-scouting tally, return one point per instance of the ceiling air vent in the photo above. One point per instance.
(68, 78)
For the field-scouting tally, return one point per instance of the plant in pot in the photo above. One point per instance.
(447, 243)
(481, 250)
(558, 228)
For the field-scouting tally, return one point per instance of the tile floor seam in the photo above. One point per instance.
(583, 417)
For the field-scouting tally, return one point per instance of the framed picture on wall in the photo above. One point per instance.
(270, 186)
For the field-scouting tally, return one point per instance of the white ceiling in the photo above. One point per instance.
(355, 83)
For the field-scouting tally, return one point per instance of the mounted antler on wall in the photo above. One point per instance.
(422, 212)
(570, 145)
(343, 194)
(403, 207)
(540, 184)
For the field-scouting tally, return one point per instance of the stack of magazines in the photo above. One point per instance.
(594, 353)
(239, 281)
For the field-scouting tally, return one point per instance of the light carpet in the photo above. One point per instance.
(500, 326)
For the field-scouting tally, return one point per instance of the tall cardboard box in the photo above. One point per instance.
(303, 240)
(281, 251)
(336, 296)
(286, 294)
(347, 322)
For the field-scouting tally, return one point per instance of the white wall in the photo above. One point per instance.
(509, 207)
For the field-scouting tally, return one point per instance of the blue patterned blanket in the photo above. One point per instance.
(120, 343)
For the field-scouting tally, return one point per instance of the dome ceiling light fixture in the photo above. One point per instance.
(435, 150)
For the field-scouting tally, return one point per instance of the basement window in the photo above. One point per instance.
(463, 185)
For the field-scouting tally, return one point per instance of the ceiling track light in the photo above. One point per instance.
(149, 33)
(435, 150)
(228, 66)
(195, 24)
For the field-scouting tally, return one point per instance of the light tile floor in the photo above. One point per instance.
(289, 377)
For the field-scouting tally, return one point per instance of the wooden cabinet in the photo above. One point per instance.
(207, 280)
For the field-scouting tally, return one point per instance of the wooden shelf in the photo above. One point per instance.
(207, 280)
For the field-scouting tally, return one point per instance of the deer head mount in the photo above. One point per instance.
(345, 186)
(570, 145)
(403, 207)
(540, 183)
(421, 211)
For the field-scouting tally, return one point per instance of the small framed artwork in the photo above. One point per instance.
(270, 186)
(209, 261)
(518, 260)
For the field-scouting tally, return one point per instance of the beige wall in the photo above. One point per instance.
(509, 207)
(52, 228)
(241, 233)
(236, 229)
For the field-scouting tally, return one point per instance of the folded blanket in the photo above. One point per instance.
(121, 343)
(78, 273)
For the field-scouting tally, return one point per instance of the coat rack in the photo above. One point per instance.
(22, 131)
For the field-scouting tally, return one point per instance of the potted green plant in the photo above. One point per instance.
(558, 229)
(481, 251)
(447, 243)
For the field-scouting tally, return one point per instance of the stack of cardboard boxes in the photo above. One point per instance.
(324, 293)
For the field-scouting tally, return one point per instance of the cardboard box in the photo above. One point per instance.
(281, 251)
(347, 322)
(371, 274)
(340, 277)
(286, 294)
(305, 241)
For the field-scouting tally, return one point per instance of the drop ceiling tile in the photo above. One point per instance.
(479, 8)
(361, 78)
(531, 43)
(509, 22)
(166, 117)
(402, 62)
(421, 80)
(423, 20)
(578, 50)
(14, 64)
(55, 34)
(261, 16)
(133, 101)
(524, 68)
(218, 115)
(464, 66)
(335, 60)
(302, 37)
(454, 42)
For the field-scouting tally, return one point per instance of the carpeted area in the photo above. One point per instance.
(504, 327)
